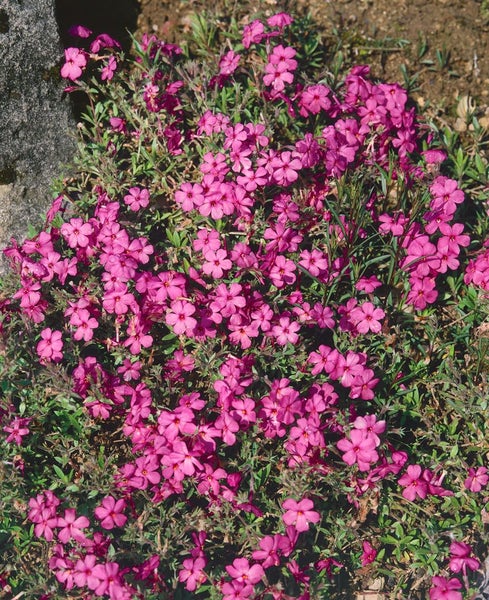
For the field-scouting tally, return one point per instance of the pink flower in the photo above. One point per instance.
(229, 63)
(76, 62)
(300, 514)
(280, 20)
(413, 483)
(71, 526)
(192, 573)
(253, 33)
(76, 233)
(277, 76)
(110, 511)
(367, 318)
(268, 553)
(241, 571)
(477, 479)
(286, 331)
(109, 69)
(179, 316)
(137, 198)
(110, 580)
(445, 589)
(360, 449)
(17, 429)
(83, 572)
(460, 558)
(49, 348)
(282, 272)
(369, 553)
(216, 263)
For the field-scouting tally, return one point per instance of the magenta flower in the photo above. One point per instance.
(413, 483)
(49, 348)
(243, 572)
(71, 526)
(108, 70)
(228, 63)
(76, 62)
(253, 33)
(110, 512)
(369, 553)
(17, 429)
(477, 479)
(192, 573)
(180, 316)
(285, 331)
(367, 318)
(445, 589)
(83, 572)
(300, 514)
(460, 558)
(77, 233)
(110, 580)
(360, 449)
(137, 198)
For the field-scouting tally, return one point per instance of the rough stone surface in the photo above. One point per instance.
(36, 124)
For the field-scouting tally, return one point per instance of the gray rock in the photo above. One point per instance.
(36, 123)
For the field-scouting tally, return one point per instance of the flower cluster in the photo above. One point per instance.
(223, 325)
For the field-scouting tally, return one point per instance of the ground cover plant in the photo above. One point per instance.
(245, 356)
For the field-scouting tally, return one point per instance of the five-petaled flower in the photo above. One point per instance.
(300, 514)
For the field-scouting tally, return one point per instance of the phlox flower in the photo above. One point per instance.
(236, 590)
(137, 198)
(85, 325)
(17, 429)
(75, 63)
(80, 31)
(189, 196)
(282, 272)
(314, 99)
(422, 292)
(118, 301)
(369, 553)
(71, 526)
(445, 194)
(108, 70)
(216, 263)
(460, 558)
(300, 514)
(371, 426)
(445, 589)
(269, 549)
(413, 483)
(192, 573)
(253, 33)
(280, 20)
(367, 318)
(360, 449)
(110, 581)
(229, 63)
(285, 167)
(477, 479)
(49, 348)
(179, 316)
(277, 76)
(83, 572)
(77, 233)
(110, 512)
(285, 331)
(367, 284)
(242, 571)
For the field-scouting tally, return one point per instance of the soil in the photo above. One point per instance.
(444, 42)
